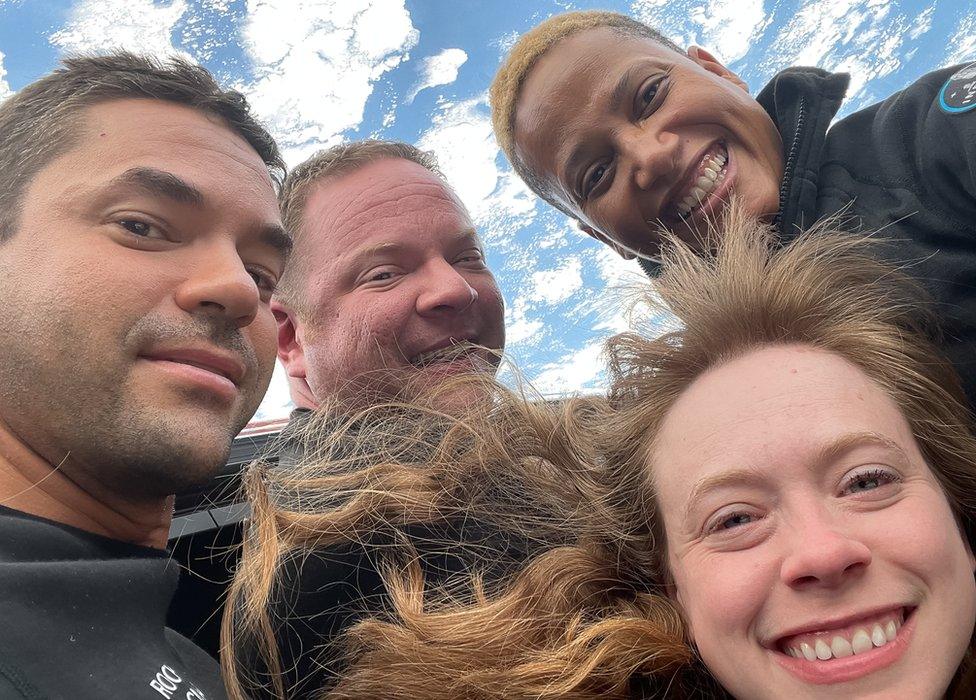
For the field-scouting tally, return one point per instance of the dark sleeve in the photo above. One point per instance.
(942, 139)
(14, 686)
(320, 595)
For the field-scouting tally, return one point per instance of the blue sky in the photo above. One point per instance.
(323, 71)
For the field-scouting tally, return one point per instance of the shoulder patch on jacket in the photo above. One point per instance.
(959, 92)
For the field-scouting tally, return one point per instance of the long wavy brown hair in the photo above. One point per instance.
(585, 613)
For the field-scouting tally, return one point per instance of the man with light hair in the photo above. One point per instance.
(630, 135)
(389, 292)
(140, 242)
(387, 298)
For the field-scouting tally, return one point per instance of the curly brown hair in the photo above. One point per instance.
(587, 614)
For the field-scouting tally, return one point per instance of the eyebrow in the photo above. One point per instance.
(750, 475)
(159, 183)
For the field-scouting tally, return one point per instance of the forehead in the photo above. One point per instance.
(386, 201)
(575, 74)
(770, 408)
(124, 132)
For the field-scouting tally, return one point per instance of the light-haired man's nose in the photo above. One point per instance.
(445, 290)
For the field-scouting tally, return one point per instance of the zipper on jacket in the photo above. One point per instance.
(791, 160)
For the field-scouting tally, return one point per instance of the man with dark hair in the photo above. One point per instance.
(140, 242)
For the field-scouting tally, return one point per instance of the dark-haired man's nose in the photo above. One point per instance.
(220, 285)
(649, 156)
(445, 291)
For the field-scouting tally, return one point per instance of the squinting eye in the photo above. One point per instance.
(593, 179)
(380, 277)
(869, 480)
(735, 521)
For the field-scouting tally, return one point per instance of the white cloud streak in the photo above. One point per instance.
(5, 90)
(556, 286)
(438, 70)
(315, 64)
(582, 370)
(98, 26)
(728, 28)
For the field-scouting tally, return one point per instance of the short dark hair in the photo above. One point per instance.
(40, 122)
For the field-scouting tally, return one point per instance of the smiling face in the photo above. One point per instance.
(803, 524)
(398, 275)
(135, 326)
(632, 136)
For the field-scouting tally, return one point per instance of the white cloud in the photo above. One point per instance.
(582, 370)
(277, 402)
(315, 63)
(462, 138)
(963, 41)
(558, 285)
(138, 25)
(5, 90)
(441, 69)
(518, 326)
(862, 37)
(727, 28)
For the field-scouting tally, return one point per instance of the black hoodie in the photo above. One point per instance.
(84, 617)
(905, 166)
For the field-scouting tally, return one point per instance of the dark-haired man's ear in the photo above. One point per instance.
(707, 61)
(593, 233)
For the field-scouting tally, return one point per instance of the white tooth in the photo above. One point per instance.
(704, 183)
(711, 172)
(890, 631)
(878, 636)
(823, 651)
(791, 651)
(840, 648)
(698, 193)
(689, 202)
(808, 653)
(720, 159)
(861, 642)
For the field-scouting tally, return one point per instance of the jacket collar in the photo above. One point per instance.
(802, 102)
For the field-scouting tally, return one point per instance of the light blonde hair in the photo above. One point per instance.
(585, 615)
(533, 45)
(330, 163)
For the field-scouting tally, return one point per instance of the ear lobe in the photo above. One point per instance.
(290, 350)
(593, 233)
(707, 60)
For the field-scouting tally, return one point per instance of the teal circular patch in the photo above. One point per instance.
(959, 92)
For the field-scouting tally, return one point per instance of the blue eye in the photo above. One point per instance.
(869, 480)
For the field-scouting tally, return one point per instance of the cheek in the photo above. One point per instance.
(721, 593)
(921, 534)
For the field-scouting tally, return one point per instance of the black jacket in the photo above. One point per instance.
(905, 166)
(84, 617)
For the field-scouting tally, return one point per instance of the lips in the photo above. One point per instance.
(220, 363)
(702, 187)
(454, 350)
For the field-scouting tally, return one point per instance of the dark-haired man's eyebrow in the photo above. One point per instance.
(158, 183)
(276, 237)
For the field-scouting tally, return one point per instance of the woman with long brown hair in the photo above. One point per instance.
(779, 496)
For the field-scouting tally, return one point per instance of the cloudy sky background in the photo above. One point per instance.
(319, 72)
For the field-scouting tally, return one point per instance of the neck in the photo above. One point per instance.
(33, 485)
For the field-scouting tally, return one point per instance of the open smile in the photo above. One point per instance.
(845, 652)
(702, 190)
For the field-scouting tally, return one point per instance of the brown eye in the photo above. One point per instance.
(593, 178)
(646, 95)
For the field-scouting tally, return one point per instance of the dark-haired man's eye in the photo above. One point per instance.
(593, 178)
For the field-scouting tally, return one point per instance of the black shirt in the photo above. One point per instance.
(84, 617)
